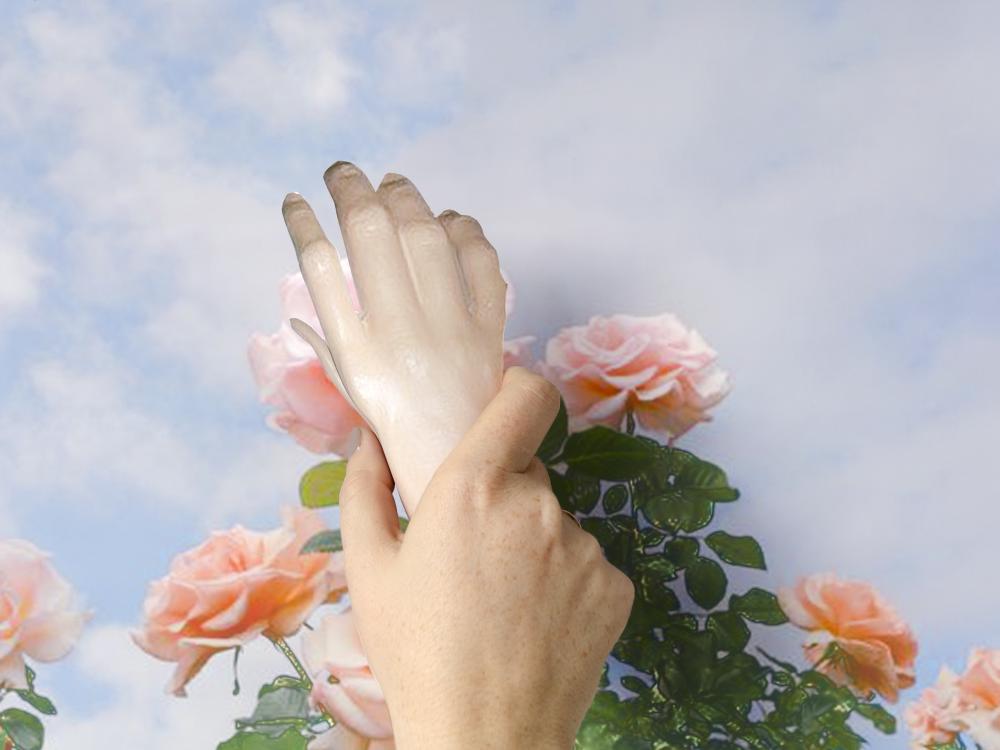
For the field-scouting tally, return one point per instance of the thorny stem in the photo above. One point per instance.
(282, 645)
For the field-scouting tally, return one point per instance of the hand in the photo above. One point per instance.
(487, 624)
(424, 354)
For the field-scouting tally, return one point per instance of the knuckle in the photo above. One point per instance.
(550, 517)
(357, 483)
(367, 217)
(623, 589)
(423, 233)
(488, 481)
(540, 390)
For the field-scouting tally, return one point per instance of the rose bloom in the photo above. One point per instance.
(343, 684)
(877, 648)
(979, 691)
(289, 375)
(235, 586)
(654, 366)
(37, 614)
(932, 718)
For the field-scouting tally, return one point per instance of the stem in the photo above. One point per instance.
(282, 645)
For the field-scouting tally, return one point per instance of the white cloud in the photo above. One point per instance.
(785, 182)
(21, 271)
(90, 428)
(295, 70)
(137, 713)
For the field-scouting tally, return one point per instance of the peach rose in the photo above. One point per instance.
(289, 375)
(235, 586)
(37, 614)
(344, 685)
(655, 366)
(932, 718)
(877, 648)
(979, 692)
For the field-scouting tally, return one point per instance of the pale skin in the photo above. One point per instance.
(424, 354)
(488, 622)
(487, 625)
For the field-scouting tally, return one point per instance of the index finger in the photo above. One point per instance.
(510, 429)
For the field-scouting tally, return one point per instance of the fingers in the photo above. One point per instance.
(368, 522)
(433, 261)
(377, 262)
(321, 271)
(480, 266)
(511, 427)
(326, 358)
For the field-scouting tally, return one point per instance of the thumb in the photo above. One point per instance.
(369, 526)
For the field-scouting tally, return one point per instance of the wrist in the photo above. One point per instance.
(481, 738)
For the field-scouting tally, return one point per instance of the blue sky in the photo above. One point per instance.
(813, 187)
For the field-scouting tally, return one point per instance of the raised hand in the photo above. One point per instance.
(423, 355)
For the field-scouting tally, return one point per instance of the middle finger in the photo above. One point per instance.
(378, 265)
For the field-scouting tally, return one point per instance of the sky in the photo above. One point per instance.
(812, 186)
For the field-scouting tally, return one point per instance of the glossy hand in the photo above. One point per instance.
(424, 354)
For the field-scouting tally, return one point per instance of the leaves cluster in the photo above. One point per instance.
(692, 680)
(281, 720)
(22, 729)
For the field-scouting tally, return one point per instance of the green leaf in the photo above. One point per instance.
(281, 702)
(657, 568)
(682, 551)
(614, 499)
(758, 605)
(282, 705)
(556, 436)
(881, 719)
(633, 683)
(604, 453)
(24, 729)
(736, 550)
(675, 511)
(38, 702)
(705, 480)
(584, 491)
(291, 739)
(323, 541)
(705, 582)
(320, 485)
(731, 633)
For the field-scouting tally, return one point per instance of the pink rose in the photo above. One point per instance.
(37, 616)
(353, 697)
(518, 352)
(655, 366)
(290, 377)
(877, 649)
(932, 718)
(235, 586)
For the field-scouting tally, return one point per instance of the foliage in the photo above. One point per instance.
(281, 720)
(21, 728)
(694, 681)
